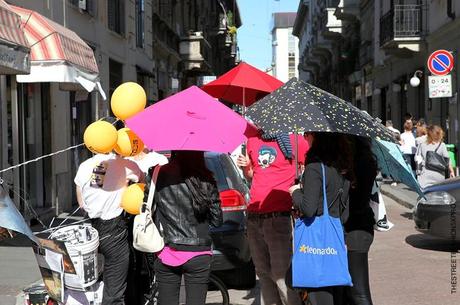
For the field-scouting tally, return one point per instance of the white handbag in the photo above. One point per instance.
(146, 237)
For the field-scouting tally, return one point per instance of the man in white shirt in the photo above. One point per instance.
(389, 125)
(100, 183)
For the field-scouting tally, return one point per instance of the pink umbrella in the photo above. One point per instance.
(191, 120)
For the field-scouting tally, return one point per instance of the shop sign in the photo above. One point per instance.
(13, 61)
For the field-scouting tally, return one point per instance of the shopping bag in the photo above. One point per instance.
(320, 256)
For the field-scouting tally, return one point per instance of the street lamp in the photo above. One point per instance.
(415, 80)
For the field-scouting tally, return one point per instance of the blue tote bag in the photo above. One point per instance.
(320, 255)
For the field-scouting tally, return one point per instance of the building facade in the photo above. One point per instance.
(285, 47)
(371, 50)
(162, 45)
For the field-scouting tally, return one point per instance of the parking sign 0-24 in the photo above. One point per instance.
(440, 86)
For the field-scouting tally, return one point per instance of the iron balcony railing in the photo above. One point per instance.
(401, 22)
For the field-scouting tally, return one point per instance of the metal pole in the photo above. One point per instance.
(243, 146)
(296, 157)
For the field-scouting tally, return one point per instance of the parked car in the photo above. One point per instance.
(438, 214)
(231, 257)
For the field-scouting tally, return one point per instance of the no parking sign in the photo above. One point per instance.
(440, 62)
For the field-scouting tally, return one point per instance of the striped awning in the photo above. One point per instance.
(57, 54)
(14, 49)
(10, 26)
(50, 41)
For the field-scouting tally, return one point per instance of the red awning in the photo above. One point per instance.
(14, 49)
(10, 26)
(50, 41)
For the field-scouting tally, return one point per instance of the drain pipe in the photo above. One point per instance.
(450, 12)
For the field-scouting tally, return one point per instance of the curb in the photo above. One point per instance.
(397, 199)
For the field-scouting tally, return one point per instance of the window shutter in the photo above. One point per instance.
(111, 11)
(122, 13)
(91, 7)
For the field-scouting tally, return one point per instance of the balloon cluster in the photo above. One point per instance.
(102, 137)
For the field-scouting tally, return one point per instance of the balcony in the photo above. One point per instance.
(348, 10)
(322, 48)
(402, 28)
(195, 52)
(332, 27)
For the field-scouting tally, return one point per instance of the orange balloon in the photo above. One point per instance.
(128, 143)
(100, 137)
(132, 198)
(128, 99)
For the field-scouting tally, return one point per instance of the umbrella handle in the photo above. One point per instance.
(296, 157)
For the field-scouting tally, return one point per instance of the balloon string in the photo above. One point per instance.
(46, 156)
(39, 158)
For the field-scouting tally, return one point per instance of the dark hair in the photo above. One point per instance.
(362, 153)
(408, 125)
(334, 150)
(193, 168)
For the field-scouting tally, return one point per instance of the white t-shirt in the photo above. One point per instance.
(148, 160)
(391, 128)
(103, 179)
(408, 146)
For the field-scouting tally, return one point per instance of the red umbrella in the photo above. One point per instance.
(242, 85)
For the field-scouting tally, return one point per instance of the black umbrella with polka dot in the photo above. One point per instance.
(300, 107)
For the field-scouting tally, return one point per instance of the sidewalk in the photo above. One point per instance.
(400, 193)
(18, 266)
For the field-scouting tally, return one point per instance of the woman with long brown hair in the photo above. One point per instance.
(333, 151)
(187, 203)
(434, 143)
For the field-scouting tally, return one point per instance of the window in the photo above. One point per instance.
(115, 75)
(140, 20)
(87, 6)
(116, 16)
(291, 67)
(291, 43)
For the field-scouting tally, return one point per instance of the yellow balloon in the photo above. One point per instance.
(127, 100)
(128, 143)
(132, 198)
(100, 137)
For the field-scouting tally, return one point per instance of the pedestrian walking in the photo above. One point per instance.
(187, 203)
(271, 167)
(333, 153)
(408, 144)
(359, 228)
(389, 125)
(433, 162)
(420, 132)
(100, 183)
(137, 287)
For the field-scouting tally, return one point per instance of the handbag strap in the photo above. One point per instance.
(325, 207)
(436, 150)
(153, 182)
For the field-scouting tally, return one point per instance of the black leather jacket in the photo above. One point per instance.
(174, 213)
